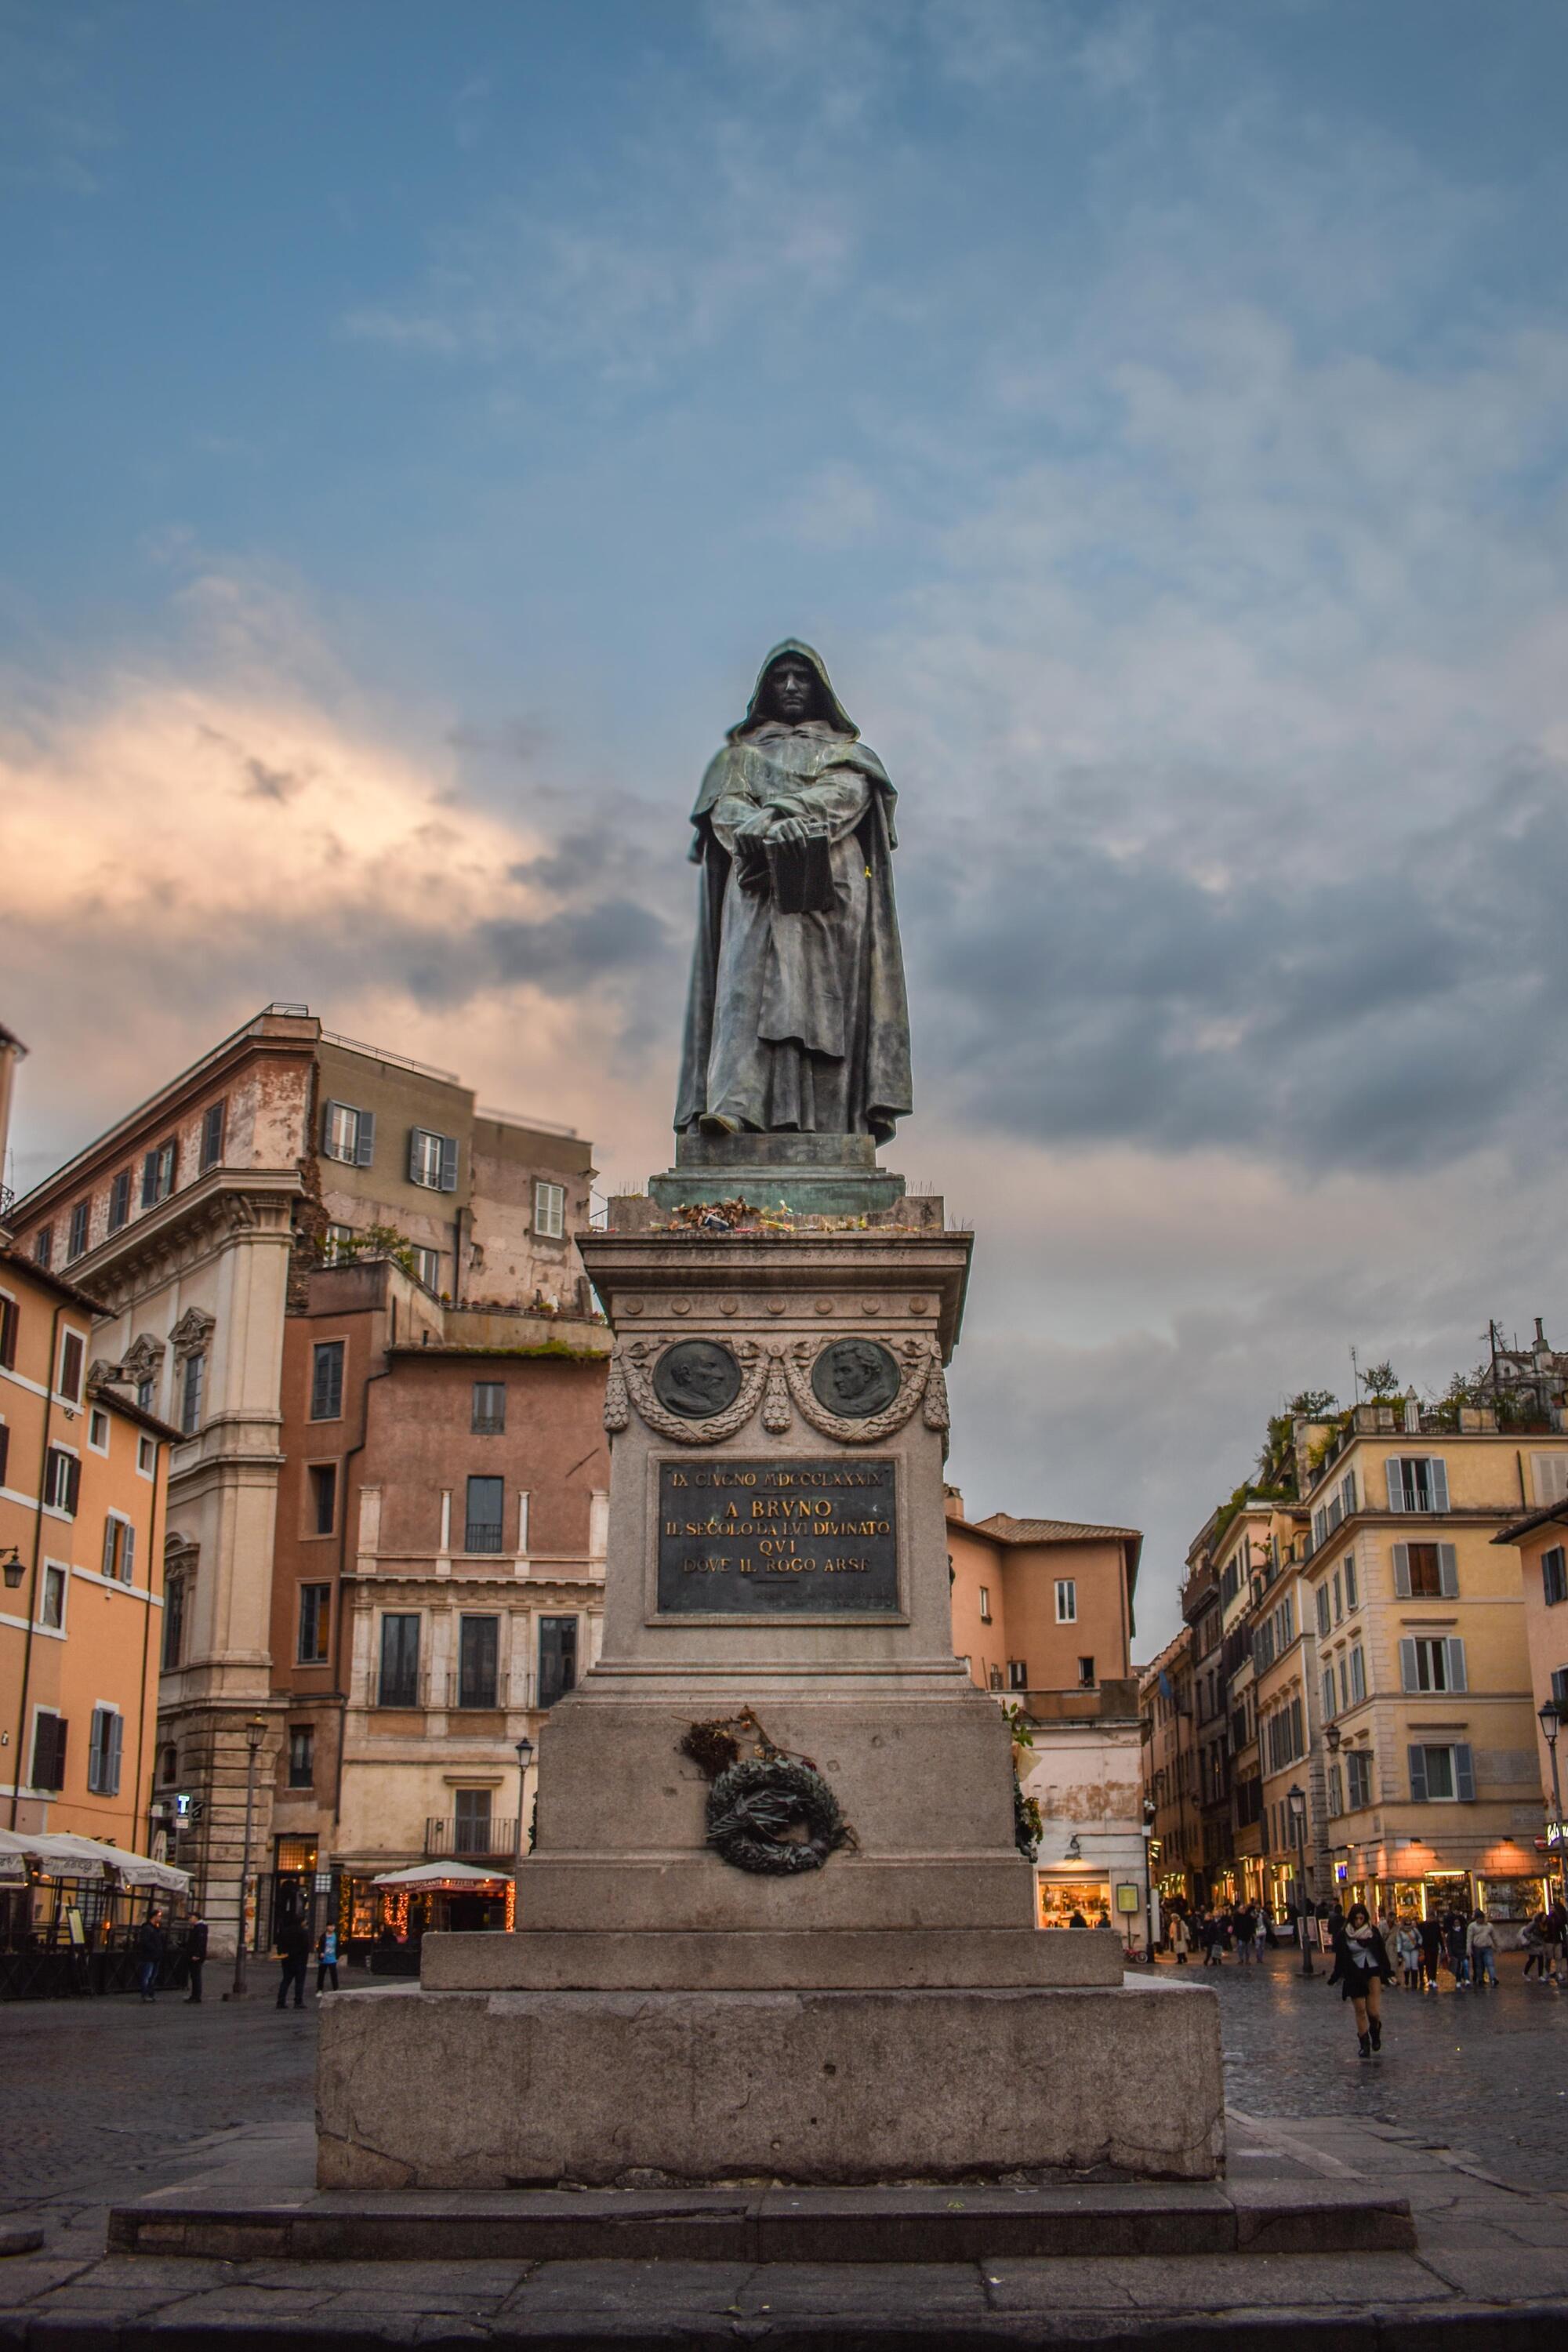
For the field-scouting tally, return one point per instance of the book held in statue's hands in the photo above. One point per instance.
(800, 874)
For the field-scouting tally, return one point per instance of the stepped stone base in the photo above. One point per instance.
(489, 2090)
(810, 1960)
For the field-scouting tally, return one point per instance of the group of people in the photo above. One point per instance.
(1247, 1929)
(292, 1946)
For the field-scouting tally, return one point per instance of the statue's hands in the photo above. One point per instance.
(789, 828)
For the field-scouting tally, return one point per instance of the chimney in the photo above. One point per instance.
(952, 1502)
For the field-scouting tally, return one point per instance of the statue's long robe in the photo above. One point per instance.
(797, 1021)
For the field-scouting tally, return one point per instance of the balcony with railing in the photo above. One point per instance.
(489, 1839)
(482, 1535)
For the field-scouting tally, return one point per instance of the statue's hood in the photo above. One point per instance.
(838, 718)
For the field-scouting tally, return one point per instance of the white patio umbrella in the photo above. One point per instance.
(65, 1855)
(442, 1873)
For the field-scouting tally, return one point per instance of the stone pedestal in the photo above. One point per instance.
(777, 1562)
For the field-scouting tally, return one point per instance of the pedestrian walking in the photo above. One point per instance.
(1408, 1944)
(1431, 1932)
(151, 1946)
(1263, 1930)
(1534, 1944)
(1456, 1928)
(1243, 1937)
(1181, 1938)
(294, 1951)
(1361, 1970)
(327, 1958)
(1480, 1943)
(1208, 1930)
(1557, 1941)
(195, 1956)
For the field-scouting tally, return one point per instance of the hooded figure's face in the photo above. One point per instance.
(790, 691)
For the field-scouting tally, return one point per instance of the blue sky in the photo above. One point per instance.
(414, 424)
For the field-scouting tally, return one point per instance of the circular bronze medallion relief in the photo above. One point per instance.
(696, 1378)
(854, 1378)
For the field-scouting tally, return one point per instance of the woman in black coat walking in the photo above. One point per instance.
(1361, 1970)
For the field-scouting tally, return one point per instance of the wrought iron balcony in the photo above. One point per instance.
(490, 1840)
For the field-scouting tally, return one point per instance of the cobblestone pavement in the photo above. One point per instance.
(1484, 2074)
(1465, 2113)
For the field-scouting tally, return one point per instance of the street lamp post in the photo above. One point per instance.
(1551, 1724)
(524, 1755)
(255, 1733)
(1297, 1805)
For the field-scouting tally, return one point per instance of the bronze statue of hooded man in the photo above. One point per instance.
(796, 1021)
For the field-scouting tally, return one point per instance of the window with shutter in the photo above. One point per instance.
(428, 1159)
(43, 1245)
(1555, 1575)
(1407, 1667)
(1548, 1474)
(1455, 1664)
(212, 1136)
(119, 1199)
(346, 1134)
(49, 1751)
(1336, 1793)
(1394, 1470)
(549, 1210)
(1328, 1695)
(1358, 1768)
(327, 1381)
(1464, 1774)
(5, 1449)
(1437, 1480)
(110, 1546)
(1416, 1758)
(10, 1321)
(73, 1359)
(192, 1387)
(1352, 1596)
(76, 1234)
(1322, 1608)
(174, 1622)
(1358, 1676)
(365, 1138)
(1447, 1572)
(399, 1684)
(150, 1180)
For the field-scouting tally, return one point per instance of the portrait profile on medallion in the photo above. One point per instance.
(854, 1378)
(796, 1020)
(696, 1378)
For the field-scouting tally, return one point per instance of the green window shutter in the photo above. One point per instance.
(1464, 1774)
(1322, 1608)
(108, 1563)
(1418, 1761)
(1402, 1571)
(1437, 1472)
(1395, 1482)
(128, 1557)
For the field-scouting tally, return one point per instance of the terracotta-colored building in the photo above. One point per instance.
(1042, 1614)
(440, 1560)
(83, 1479)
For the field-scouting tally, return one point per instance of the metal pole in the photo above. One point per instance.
(1561, 1848)
(1307, 1969)
(239, 1989)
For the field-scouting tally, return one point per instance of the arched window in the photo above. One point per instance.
(173, 1620)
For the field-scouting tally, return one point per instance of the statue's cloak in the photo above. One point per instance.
(761, 761)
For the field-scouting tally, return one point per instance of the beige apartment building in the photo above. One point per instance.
(1540, 1540)
(1421, 1675)
(196, 1223)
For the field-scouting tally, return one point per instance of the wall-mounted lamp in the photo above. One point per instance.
(11, 1562)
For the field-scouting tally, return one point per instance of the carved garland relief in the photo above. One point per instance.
(699, 1392)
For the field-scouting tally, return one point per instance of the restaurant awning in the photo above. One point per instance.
(443, 1874)
(64, 1855)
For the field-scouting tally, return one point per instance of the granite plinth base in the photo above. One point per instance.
(449, 2090)
(801, 1959)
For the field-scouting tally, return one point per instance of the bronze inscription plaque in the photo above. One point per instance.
(778, 1538)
